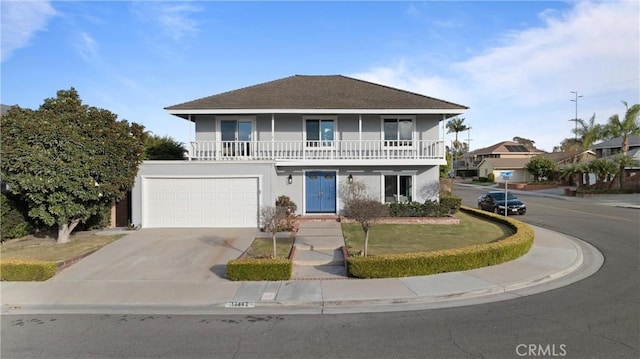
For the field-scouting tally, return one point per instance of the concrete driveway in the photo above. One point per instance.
(163, 254)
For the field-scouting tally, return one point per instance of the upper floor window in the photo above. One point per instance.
(320, 132)
(398, 131)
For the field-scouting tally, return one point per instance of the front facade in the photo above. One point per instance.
(305, 137)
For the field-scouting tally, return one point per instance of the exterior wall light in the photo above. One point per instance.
(290, 179)
(350, 178)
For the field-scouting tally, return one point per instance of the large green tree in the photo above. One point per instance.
(541, 167)
(67, 160)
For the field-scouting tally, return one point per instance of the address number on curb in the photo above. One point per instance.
(240, 305)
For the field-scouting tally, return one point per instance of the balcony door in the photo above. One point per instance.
(320, 132)
(236, 137)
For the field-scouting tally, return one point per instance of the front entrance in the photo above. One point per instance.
(320, 188)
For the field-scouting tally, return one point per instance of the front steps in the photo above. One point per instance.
(318, 253)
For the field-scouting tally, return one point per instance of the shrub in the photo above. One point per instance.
(491, 177)
(450, 202)
(26, 270)
(289, 207)
(258, 269)
(15, 222)
(458, 259)
(447, 205)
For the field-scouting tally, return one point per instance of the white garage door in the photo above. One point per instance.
(200, 202)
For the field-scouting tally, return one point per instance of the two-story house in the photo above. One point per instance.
(306, 137)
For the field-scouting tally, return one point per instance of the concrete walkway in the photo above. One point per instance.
(318, 251)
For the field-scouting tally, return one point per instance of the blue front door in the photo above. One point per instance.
(320, 190)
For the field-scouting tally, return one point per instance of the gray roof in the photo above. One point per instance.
(317, 92)
(617, 143)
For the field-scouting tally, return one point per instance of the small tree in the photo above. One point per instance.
(163, 148)
(623, 162)
(363, 209)
(603, 169)
(271, 217)
(67, 160)
(541, 167)
(625, 128)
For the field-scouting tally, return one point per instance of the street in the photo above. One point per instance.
(594, 318)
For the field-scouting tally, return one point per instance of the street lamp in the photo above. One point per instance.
(575, 119)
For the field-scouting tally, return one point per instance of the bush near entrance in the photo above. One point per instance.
(258, 269)
(21, 270)
(451, 260)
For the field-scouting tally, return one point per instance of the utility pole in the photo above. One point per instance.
(575, 119)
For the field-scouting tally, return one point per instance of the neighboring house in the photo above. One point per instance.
(306, 137)
(517, 167)
(613, 146)
(573, 157)
(502, 156)
(504, 149)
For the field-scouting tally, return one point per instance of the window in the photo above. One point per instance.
(397, 188)
(398, 131)
(320, 133)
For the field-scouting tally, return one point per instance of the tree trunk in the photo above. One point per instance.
(366, 242)
(64, 231)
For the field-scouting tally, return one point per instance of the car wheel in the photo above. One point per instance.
(480, 207)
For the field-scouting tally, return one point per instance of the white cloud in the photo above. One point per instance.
(87, 47)
(175, 20)
(522, 87)
(21, 20)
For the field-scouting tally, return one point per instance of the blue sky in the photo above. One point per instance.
(514, 63)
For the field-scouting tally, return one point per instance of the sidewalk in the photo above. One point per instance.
(555, 260)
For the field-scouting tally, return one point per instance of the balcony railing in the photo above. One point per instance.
(317, 150)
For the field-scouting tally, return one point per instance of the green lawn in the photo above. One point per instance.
(46, 248)
(407, 238)
(263, 247)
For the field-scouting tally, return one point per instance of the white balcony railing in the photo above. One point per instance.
(316, 150)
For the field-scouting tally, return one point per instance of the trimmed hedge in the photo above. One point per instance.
(450, 260)
(259, 269)
(21, 270)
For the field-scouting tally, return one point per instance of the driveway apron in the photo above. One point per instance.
(163, 254)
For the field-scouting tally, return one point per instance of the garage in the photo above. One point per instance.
(199, 202)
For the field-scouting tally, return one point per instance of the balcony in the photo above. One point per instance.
(296, 152)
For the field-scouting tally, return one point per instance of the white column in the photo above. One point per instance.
(359, 136)
(273, 136)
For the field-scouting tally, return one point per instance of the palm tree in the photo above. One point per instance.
(624, 128)
(456, 125)
(589, 132)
